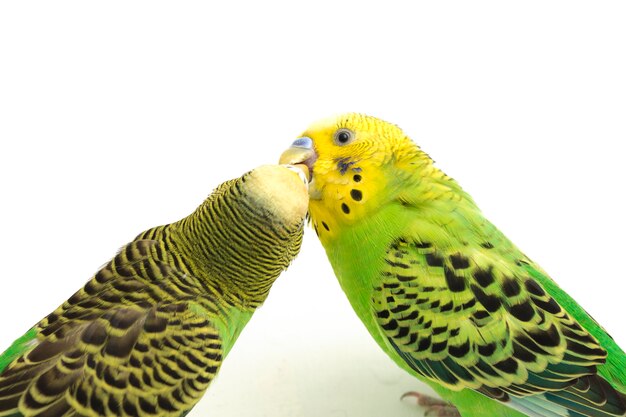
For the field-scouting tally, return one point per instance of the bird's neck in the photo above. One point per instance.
(429, 205)
(217, 237)
(210, 245)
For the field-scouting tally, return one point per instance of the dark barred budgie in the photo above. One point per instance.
(148, 332)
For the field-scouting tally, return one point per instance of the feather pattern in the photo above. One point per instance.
(148, 333)
(447, 296)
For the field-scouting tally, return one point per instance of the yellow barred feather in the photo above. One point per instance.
(147, 334)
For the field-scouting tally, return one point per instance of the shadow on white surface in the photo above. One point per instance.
(338, 387)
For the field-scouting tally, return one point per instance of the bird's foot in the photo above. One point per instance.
(434, 406)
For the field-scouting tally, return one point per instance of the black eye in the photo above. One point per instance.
(343, 136)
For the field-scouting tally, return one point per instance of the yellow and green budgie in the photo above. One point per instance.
(148, 332)
(442, 291)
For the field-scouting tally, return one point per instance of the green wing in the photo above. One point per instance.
(467, 319)
(17, 348)
(614, 370)
(134, 341)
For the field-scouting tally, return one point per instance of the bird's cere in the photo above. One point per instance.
(304, 142)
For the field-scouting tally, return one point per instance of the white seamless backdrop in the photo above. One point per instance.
(118, 116)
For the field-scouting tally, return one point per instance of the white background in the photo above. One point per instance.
(118, 116)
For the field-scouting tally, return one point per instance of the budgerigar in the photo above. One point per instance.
(442, 291)
(148, 333)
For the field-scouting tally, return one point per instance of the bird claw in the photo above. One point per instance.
(442, 411)
(434, 406)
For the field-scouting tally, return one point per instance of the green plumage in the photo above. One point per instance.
(147, 334)
(443, 292)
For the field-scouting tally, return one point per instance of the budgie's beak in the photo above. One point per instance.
(301, 152)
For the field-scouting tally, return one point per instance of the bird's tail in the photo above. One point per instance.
(590, 396)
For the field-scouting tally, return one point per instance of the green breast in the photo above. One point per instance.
(357, 256)
(229, 320)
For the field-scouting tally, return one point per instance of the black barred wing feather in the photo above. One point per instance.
(135, 341)
(470, 320)
(127, 362)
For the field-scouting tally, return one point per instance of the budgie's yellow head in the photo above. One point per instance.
(356, 164)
